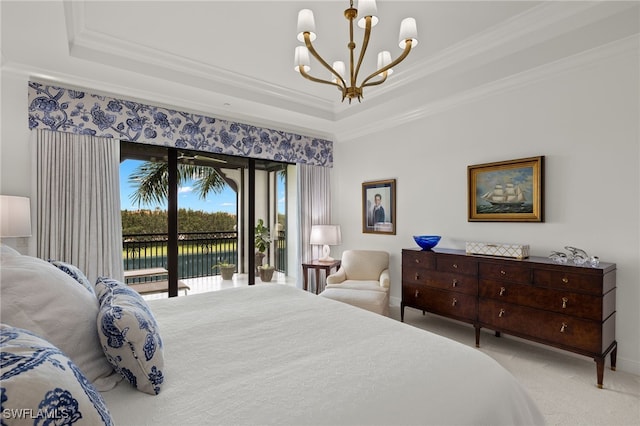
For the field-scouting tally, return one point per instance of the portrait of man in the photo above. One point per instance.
(378, 206)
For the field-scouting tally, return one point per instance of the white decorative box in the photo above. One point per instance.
(518, 251)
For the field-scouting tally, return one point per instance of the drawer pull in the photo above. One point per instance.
(417, 260)
(564, 302)
(565, 280)
(454, 283)
(454, 301)
(417, 293)
(417, 276)
(455, 266)
(564, 327)
(503, 273)
(501, 314)
(502, 291)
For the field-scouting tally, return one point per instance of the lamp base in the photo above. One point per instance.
(325, 254)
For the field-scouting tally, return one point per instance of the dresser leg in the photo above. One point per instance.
(614, 355)
(401, 312)
(600, 370)
(477, 337)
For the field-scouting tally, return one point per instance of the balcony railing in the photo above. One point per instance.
(198, 252)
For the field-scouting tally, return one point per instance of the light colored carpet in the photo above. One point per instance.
(563, 384)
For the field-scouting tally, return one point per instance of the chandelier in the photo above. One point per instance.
(347, 85)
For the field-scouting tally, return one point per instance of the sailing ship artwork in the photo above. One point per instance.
(509, 190)
(507, 197)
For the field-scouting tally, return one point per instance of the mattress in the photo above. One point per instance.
(274, 354)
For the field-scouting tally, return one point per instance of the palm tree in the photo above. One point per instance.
(152, 181)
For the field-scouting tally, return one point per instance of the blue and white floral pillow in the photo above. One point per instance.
(129, 335)
(39, 384)
(74, 272)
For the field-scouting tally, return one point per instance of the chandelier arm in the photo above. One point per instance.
(312, 50)
(363, 49)
(319, 80)
(407, 49)
(376, 82)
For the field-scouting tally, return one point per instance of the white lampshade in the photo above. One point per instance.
(367, 8)
(339, 67)
(301, 58)
(15, 216)
(408, 30)
(384, 59)
(325, 235)
(306, 23)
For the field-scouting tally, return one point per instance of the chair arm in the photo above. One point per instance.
(384, 279)
(338, 277)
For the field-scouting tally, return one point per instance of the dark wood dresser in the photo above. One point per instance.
(562, 305)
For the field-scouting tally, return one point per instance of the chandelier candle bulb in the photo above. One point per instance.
(302, 59)
(408, 30)
(339, 67)
(367, 8)
(384, 59)
(306, 23)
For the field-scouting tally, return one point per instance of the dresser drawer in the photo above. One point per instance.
(456, 264)
(448, 303)
(512, 273)
(561, 301)
(454, 282)
(569, 281)
(418, 259)
(558, 329)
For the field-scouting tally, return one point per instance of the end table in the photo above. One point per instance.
(318, 266)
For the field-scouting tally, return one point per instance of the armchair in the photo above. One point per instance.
(362, 281)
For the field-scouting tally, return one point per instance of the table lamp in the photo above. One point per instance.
(325, 235)
(15, 217)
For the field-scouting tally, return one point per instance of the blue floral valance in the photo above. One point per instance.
(74, 111)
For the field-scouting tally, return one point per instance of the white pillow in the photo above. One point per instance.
(75, 273)
(41, 385)
(129, 335)
(6, 251)
(38, 297)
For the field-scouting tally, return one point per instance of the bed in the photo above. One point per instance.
(274, 354)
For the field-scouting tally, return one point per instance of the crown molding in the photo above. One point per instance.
(539, 24)
(535, 25)
(85, 43)
(628, 45)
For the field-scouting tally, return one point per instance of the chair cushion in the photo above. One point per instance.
(358, 285)
(371, 300)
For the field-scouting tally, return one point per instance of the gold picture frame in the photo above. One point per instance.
(506, 191)
(379, 207)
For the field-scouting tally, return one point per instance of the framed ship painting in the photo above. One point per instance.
(379, 207)
(506, 191)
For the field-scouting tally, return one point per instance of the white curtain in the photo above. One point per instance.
(314, 208)
(78, 202)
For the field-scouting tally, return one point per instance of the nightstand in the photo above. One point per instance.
(318, 266)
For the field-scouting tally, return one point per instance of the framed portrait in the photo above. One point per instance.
(379, 207)
(507, 191)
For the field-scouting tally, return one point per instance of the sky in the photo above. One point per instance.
(187, 198)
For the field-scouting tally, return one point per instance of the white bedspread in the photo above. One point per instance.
(273, 354)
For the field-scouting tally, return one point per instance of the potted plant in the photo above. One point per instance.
(226, 269)
(266, 272)
(262, 242)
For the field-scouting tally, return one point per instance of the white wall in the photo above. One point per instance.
(584, 121)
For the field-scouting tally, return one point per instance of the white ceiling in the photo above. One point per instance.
(234, 59)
